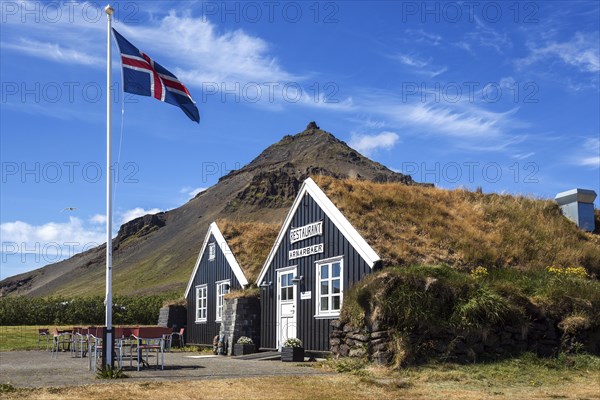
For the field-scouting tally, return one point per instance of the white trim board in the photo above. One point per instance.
(344, 226)
(235, 267)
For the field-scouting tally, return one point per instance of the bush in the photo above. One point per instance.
(20, 310)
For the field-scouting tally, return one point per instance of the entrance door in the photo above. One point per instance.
(286, 305)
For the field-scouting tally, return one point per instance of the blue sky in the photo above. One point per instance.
(502, 95)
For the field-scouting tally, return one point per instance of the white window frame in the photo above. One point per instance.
(221, 298)
(199, 307)
(328, 313)
(212, 251)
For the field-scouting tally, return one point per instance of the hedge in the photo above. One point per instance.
(20, 310)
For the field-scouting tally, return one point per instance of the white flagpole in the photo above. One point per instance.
(107, 359)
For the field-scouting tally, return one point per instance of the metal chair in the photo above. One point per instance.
(148, 345)
(180, 337)
(45, 334)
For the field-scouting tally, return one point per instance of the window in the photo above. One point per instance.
(222, 290)
(201, 303)
(287, 287)
(329, 286)
(211, 251)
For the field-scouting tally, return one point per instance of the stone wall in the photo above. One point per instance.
(173, 317)
(380, 345)
(241, 317)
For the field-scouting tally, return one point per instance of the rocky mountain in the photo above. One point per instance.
(156, 253)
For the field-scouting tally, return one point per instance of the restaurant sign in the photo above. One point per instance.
(306, 231)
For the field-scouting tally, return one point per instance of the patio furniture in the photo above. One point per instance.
(180, 338)
(147, 346)
(62, 339)
(44, 333)
(95, 349)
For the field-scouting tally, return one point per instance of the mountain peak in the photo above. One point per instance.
(312, 125)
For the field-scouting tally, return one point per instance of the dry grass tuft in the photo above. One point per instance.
(250, 243)
(423, 225)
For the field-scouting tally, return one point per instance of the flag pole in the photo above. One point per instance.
(108, 342)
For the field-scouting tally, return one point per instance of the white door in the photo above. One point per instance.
(286, 305)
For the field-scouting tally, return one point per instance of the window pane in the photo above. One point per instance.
(325, 271)
(335, 300)
(324, 288)
(336, 270)
(290, 293)
(283, 294)
(283, 280)
(324, 303)
(335, 284)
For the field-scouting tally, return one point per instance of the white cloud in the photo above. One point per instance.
(486, 36)
(580, 52)
(366, 144)
(412, 61)
(98, 219)
(192, 192)
(445, 119)
(420, 65)
(54, 52)
(589, 154)
(137, 212)
(50, 242)
(523, 156)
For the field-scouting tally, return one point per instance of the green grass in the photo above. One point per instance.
(21, 338)
(422, 301)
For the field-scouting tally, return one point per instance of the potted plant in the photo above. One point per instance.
(292, 350)
(244, 345)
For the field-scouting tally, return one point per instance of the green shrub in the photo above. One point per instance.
(108, 372)
(20, 310)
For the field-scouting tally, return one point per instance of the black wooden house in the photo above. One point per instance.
(215, 274)
(317, 256)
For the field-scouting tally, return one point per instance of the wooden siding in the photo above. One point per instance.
(209, 272)
(313, 332)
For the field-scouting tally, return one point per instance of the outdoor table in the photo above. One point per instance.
(148, 344)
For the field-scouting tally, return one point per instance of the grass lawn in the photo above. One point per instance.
(526, 377)
(22, 337)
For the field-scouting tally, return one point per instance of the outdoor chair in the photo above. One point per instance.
(44, 333)
(147, 346)
(61, 339)
(180, 338)
(95, 347)
(79, 344)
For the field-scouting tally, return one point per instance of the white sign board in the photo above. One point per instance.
(306, 251)
(305, 295)
(306, 231)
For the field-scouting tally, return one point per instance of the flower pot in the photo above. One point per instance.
(241, 349)
(292, 354)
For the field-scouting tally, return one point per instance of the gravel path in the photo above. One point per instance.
(38, 369)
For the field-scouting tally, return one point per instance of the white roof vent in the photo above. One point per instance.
(578, 206)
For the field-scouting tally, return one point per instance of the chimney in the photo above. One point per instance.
(578, 206)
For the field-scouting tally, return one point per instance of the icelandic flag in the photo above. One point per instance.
(145, 77)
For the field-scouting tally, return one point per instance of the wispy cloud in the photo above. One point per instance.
(420, 65)
(367, 144)
(588, 154)
(423, 37)
(485, 35)
(54, 52)
(580, 52)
